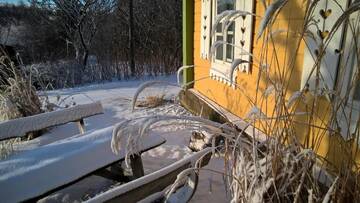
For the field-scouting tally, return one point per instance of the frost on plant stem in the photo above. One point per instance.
(230, 17)
(179, 71)
(183, 177)
(294, 97)
(255, 113)
(234, 65)
(330, 191)
(269, 14)
(264, 67)
(261, 190)
(269, 90)
(218, 19)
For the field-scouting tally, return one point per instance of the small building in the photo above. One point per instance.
(243, 62)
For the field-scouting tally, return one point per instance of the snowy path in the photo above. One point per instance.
(116, 98)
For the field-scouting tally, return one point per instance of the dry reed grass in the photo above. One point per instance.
(18, 98)
(152, 101)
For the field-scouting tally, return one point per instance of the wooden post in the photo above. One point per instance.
(137, 166)
(188, 39)
(81, 126)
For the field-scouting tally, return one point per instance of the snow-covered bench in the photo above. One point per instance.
(150, 188)
(22, 126)
(36, 173)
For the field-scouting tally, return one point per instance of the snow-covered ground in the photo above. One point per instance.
(116, 100)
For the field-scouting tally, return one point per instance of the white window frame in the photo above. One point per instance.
(205, 37)
(221, 69)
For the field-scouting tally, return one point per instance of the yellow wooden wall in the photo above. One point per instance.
(236, 100)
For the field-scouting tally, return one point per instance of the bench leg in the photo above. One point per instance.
(137, 166)
(81, 126)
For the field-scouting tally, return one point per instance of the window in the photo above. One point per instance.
(239, 33)
(226, 51)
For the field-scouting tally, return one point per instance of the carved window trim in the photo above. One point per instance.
(243, 33)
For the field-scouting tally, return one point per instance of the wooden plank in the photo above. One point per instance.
(64, 162)
(19, 127)
(152, 183)
(137, 166)
(240, 123)
(150, 187)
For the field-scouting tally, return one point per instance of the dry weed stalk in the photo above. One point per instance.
(152, 101)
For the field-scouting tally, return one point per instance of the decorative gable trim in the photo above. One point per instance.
(246, 33)
(205, 28)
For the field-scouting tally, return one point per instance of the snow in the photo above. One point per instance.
(116, 100)
(75, 156)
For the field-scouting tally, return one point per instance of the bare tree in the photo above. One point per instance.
(131, 37)
(79, 19)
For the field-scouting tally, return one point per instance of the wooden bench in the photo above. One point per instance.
(39, 172)
(150, 188)
(20, 127)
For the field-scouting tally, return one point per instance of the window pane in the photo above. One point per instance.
(229, 48)
(232, 26)
(223, 5)
(219, 49)
(219, 28)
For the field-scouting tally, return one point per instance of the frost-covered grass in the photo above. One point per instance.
(18, 98)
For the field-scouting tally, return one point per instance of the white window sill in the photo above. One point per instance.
(221, 71)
